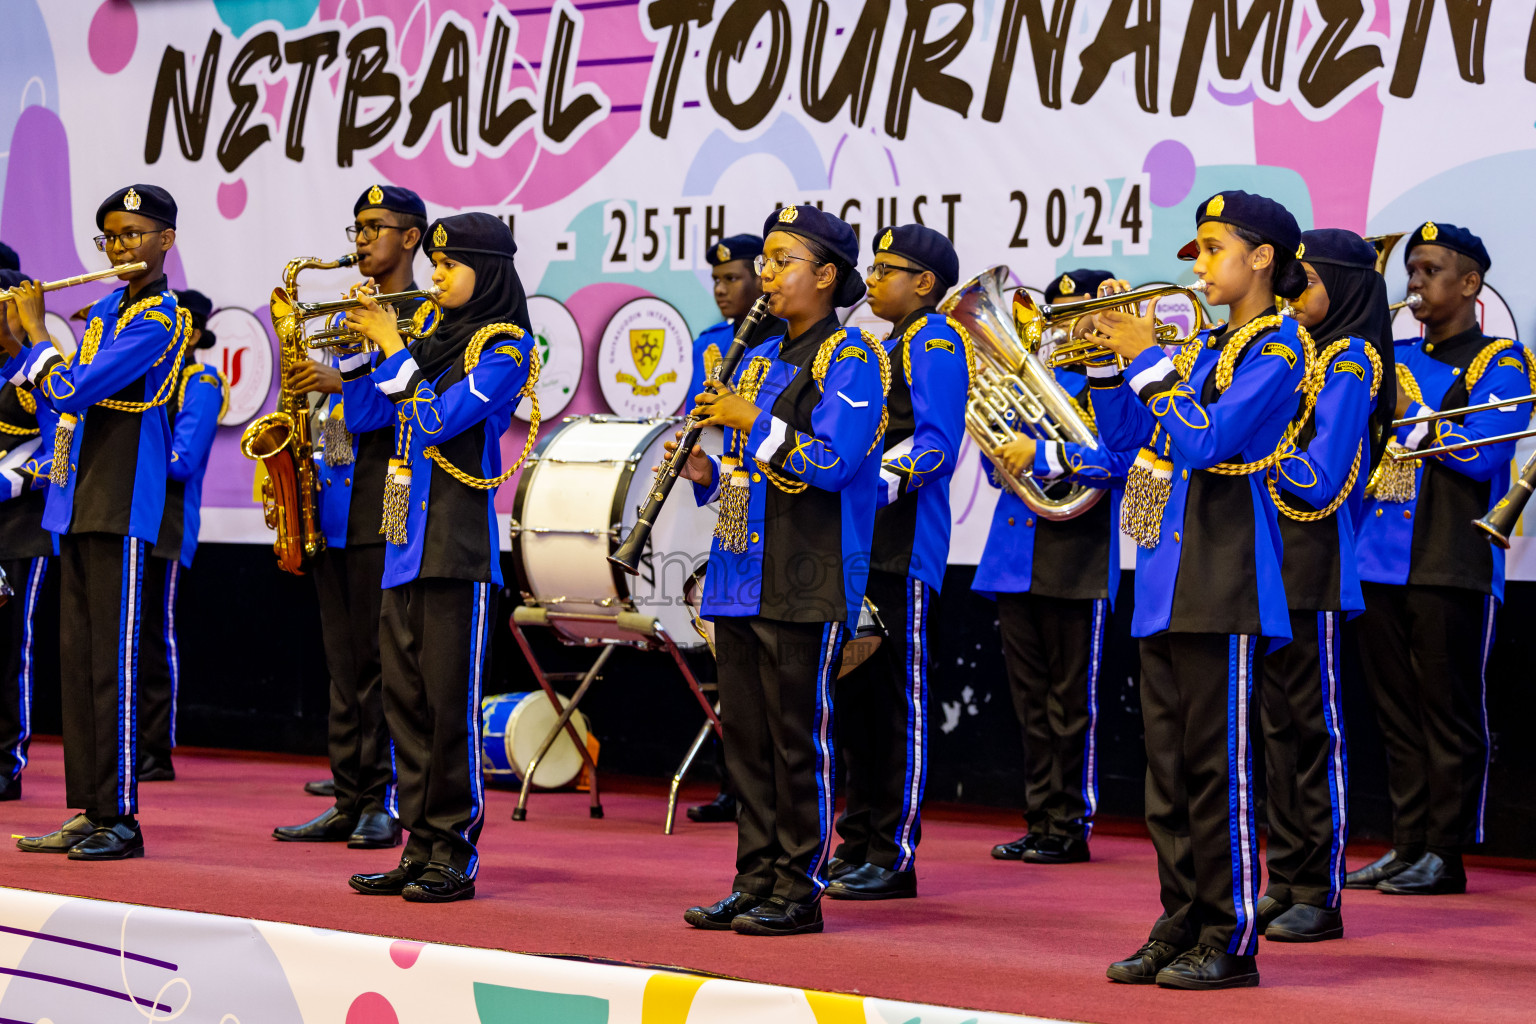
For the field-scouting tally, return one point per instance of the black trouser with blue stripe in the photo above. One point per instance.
(776, 681)
(1424, 651)
(101, 596)
(1197, 694)
(1053, 648)
(884, 738)
(1305, 763)
(26, 577)
(357, 737)
(434, 641)
(160, 673)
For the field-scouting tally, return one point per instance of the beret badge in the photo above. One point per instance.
(375, 195)
(440, 236)
(131, 200)
(788, 215)
(1215, 206)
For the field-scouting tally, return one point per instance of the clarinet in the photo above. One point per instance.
(627, 557)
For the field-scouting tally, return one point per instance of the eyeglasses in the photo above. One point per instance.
(779, 263)
(369, 232)
(126, 240)
(879, 270)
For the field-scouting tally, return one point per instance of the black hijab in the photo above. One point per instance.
(484, 244)
(1357, 308)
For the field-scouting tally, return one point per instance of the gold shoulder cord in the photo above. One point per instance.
(1314, 388)
(397, 485)
(735, 498)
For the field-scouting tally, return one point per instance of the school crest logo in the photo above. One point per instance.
(131, 201)
(557, 339)
(646, 359)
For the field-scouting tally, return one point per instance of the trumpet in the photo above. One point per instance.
(9, 295)
(335, 335)
(1014, 395)
(1059, 321)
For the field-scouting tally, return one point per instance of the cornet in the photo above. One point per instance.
(333, 313)
(1058, 321)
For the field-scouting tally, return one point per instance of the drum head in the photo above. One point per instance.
(521, 733)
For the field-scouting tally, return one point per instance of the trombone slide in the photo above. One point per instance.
(1404, 455)
(1463, 410)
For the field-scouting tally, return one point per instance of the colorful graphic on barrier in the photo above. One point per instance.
(65, 958)
(622, 140)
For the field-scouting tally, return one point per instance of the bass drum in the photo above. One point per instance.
(576, 502)
(866, 638)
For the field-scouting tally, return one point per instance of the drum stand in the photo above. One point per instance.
(630, 629)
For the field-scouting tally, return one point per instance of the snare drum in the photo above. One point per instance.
(576, 501)
(866, 637)
(514, 724)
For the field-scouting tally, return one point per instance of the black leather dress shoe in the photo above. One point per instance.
(872, 882)
(321, 787)
(1267, 909)
(439, 885)
(1054, 849)
(1015, 850)
(721, 808)
(1431, 875)
(330, 827)
(1306, 923)
(1206, 967)
(70, 834)
(156, 769)
(375, 830)
(779, 916)
(1141, 967)
(391, 882)
(837, 868)
(717, 917)
(1384, 867)
(117, 842)
(10, 789)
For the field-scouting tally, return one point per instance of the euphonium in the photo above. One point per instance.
(281, 440)
(1014, 394)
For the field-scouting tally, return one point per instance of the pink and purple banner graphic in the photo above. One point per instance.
(622, 139)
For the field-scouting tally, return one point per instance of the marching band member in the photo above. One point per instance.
(194, 409)
(736, 288)
(1432, 584)
(883, 725)
(1055, 585)
(24, 548)
(1318, 488)
(787, 573)
(350, 468)
(1208, 586)
(111, 450)
(450, 397)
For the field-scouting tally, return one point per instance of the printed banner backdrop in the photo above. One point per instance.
(63, 958)
(622, 140)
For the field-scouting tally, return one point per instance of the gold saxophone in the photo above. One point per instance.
(281, 441)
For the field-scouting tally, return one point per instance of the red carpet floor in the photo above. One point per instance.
(984, 934)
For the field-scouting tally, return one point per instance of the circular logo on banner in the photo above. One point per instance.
(645, 359)
(862, 317)
(243, 354)
(558, 341)
(1493, 316)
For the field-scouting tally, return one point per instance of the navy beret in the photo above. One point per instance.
(145, 200)
(830, 233)
(1452, 237)
(1076, 284)
(10, 278)
(482, 233)
(1338, 246)
(8, 258)
(201, 308)
(926, 247)
(393, 198)
(1259, 214)
(737, 247)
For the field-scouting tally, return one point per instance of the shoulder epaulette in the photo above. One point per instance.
(484, 336)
